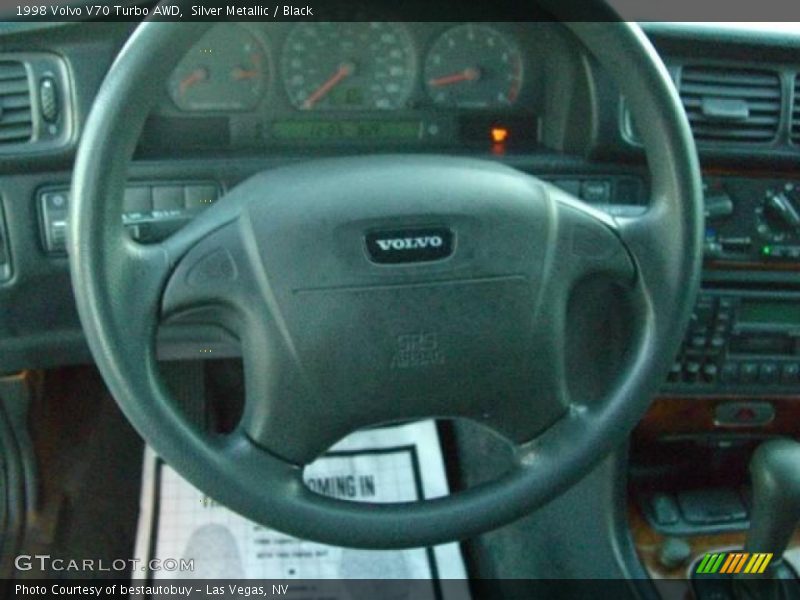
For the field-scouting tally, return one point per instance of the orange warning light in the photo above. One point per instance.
(499, 134)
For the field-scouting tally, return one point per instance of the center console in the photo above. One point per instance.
(744, 339)
(735, 382)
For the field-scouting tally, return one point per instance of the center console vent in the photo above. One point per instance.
(16, 118)
(731, 105)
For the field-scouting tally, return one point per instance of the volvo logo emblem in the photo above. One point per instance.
(410, 245)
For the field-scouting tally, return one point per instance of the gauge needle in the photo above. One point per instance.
(468, 74)
(196, 76)
(239, 73)
(344, 71)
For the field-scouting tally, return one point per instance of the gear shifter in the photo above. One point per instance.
(775, 476)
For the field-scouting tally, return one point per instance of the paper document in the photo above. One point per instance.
(393, 464)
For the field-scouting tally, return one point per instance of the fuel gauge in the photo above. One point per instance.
(227, 70)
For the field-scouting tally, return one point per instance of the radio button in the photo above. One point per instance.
(768, 373)
(748, 372)
(692, 371)
(709, 372)
(790, 373)
(717, 341)
(675, 371)
(730, 373)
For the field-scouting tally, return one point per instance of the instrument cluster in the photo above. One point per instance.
(355, 80)
(348, 66)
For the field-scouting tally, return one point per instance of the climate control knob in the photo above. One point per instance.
(777, 219)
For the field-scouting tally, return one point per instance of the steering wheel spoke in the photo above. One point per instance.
(214, 277)
(588, 245)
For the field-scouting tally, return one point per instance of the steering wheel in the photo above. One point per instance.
(376, 289)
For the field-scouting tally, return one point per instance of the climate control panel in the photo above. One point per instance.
(752, 220)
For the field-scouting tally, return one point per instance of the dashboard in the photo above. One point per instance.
(252, 96)
(362, 83)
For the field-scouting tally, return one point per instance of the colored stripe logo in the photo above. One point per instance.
(730, 563)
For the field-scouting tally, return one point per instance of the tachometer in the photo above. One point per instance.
(473, 66)
(226, 70)
(348, 66)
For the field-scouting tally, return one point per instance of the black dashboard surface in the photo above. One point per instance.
(546, 108)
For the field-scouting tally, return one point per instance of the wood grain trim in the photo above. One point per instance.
(648, 545)
(750, 173)
(686, 415)
(729, 265)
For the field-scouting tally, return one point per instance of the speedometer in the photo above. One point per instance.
(348, 66)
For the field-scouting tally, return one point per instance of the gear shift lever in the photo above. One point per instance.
(775, 476)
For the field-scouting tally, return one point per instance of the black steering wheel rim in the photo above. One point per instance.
(112, 275)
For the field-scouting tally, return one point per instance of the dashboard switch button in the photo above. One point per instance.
(665, 510)
(48, 99)
(744, 414)
(596, 191)
(168, 198)
(137, 200)
(200, 196)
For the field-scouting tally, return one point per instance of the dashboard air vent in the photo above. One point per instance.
(731, 105)
(16, 122)
(796, 111)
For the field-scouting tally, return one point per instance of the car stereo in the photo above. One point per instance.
(740, 341)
